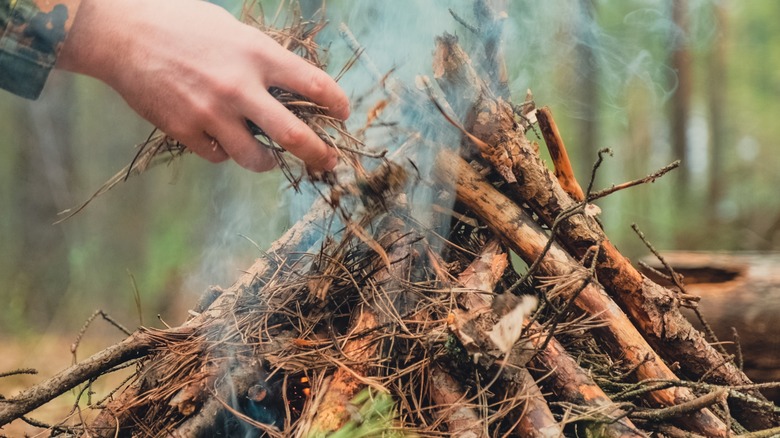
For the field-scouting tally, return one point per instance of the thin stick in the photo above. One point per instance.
(19, 371)
(682, 409)
(648, 179)
(560, 158)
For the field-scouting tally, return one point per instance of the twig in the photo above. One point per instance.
(740, 361)
(682, 409)
(678, 281)
(648, 179)
(75, 345)
(472, 28)
(18, 372)
(58, 429)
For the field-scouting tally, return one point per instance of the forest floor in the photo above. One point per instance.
(49, 354)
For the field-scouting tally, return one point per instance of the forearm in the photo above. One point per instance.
(33, 34)
(192, 70)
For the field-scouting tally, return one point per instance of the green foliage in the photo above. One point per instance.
(374, 416)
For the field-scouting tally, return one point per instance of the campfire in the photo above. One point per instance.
(450, 285)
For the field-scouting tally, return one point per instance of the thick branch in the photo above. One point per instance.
(528, 239)
(652, 307)
(137, 345)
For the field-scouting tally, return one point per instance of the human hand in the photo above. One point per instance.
(197, 73)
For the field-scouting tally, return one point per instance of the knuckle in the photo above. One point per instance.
(295, 134)
(319, 84)
(201, 111)
(228, 90)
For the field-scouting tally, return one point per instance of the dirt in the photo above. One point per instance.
(48, 354)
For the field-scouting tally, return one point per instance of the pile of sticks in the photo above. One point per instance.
(369, 319)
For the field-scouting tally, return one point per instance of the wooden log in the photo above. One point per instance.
(536, 420)
(654, 308)
(481, 276)
(574, 385)
(461, 419)
(528, 239)
(739, 292)
(569, 381)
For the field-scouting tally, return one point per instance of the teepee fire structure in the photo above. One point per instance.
(370, 318)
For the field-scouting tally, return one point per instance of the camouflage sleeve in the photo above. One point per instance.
(33, 32)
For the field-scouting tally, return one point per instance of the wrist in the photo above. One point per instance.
(94, 39)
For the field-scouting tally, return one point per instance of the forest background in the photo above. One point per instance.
(654, 80)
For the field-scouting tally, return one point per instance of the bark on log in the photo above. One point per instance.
(462, 420)
(569, 381)
(528, 239)
(574, 385)
(654, 308)
(536, 420)
(481, 276)
(738, 291)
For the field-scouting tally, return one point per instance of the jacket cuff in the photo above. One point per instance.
(33, 32)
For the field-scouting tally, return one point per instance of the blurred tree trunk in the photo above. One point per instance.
(45, 171)
(716, 100)
(680, 102)
(587, 76)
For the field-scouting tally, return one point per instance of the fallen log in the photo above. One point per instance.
(739, 299)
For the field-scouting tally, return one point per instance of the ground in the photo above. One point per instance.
(49, 354)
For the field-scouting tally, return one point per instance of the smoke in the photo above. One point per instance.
(615, 47)
(619, 48)
(242, 217)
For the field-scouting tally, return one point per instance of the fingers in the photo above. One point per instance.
(206, 147)
(297, 75)
(290, 132)
(244, 148)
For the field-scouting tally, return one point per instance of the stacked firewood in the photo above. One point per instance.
(367, 318)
